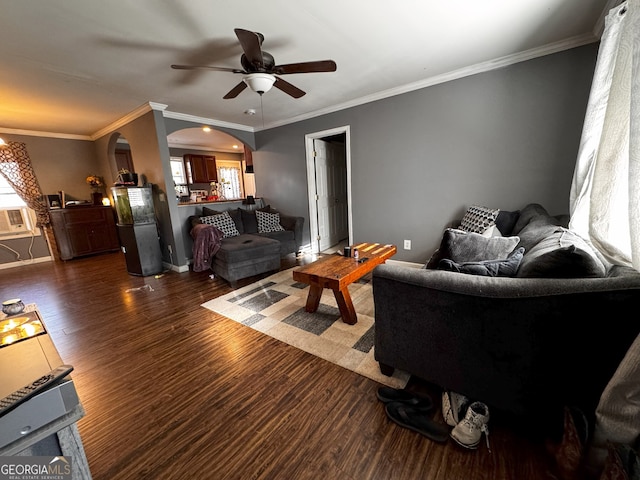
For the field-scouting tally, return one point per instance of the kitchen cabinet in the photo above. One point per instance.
(200, 168)
(84, 230)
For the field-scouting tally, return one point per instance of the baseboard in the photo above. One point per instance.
(401, 263)
(22, 263)
(175, 268)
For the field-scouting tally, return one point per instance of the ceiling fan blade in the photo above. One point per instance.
(287, 88)
(306, 67)
(250, 42)
(207, 67)
(233, 93)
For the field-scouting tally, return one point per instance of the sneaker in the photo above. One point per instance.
(454, 407)
(467, 433)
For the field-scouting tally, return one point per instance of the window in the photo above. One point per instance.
(16, 219)
(177, 171)
(230, 176)
(8, 197)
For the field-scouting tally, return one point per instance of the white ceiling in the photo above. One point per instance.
(75, 67)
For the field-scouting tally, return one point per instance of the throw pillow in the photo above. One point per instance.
(268, 222)
(223, 222)
(249, 221)
(505, 221)
(486, 268)
(234, 214)
(478, 218)
(562, 254)
(533, 211)
(207, 212)
(461, 247)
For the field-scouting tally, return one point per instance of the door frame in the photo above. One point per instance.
(311, 181)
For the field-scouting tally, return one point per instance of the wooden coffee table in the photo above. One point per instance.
(338, 272)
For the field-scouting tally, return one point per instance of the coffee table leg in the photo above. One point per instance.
(345, 305)
(313, 299)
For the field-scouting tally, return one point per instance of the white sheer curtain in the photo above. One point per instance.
(605, 193)
(230, 177)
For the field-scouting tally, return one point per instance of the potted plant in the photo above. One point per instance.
(96, 184)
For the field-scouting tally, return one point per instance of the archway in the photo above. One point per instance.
(222, 151)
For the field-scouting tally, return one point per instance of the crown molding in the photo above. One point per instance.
(483, 67)
(129, 117)
(37, 133)
(207, 121)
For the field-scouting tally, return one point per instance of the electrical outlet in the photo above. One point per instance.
(407, 244)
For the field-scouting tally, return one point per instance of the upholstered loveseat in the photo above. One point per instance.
(245, 242)
(526, 341)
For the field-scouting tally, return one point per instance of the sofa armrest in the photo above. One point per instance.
(294, 224)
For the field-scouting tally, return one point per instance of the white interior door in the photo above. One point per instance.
(324, 193)
(328, 177)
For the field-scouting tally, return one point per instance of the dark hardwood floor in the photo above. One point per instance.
(174, 391)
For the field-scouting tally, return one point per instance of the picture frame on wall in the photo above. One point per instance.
(54, 201)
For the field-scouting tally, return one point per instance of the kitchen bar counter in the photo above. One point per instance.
(222, 203)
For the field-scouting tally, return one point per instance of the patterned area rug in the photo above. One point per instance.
(275, 307)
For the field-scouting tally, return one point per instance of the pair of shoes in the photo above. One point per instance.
(416, 419)
(420, 402)
(468, 432)
(454, 407)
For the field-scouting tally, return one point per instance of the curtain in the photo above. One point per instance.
(605, 191)
(15, 166)
(231, 183)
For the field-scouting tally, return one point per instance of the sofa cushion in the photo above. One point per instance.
(224, 222)
(460, 247)
(486, 268)
(247, 247)
(505, 221)
(478, 218)
(268, 222)
(234, 214)
(562, 254)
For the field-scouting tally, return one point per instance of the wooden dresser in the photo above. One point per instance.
(84, 230)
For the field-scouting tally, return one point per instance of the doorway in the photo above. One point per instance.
(329, 188)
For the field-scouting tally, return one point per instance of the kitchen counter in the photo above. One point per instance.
(218, 202)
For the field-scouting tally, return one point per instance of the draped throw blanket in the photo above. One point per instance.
(206, 243)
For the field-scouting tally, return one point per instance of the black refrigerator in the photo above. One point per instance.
(137, 229)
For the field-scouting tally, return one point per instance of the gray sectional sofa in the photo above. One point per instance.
(527, 341)
(249, 251)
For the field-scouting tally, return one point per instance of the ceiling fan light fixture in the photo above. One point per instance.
(259, 82)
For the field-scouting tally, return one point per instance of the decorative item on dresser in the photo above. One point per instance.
(96, 184)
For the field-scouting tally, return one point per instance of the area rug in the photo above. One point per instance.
(275, 307)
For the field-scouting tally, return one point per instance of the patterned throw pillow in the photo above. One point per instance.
(224, 222)
(477, 219)
(268, 222)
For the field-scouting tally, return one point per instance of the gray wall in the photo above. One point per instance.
(59, 164)
(503, 139)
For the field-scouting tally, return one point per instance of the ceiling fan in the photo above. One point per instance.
(259, 68)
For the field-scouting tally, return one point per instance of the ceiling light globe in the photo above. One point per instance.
(259, 82)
